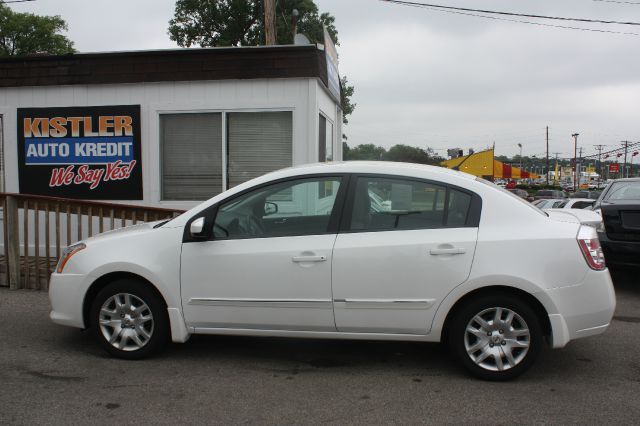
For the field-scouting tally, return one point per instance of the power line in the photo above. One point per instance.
(14, 1)
(618, 1)
(495, 18)
(615, 151)
(524, 15)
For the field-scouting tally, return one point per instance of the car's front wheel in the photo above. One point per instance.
(129, 320)
(495, 337)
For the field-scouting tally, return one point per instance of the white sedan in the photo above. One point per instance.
(309, 252)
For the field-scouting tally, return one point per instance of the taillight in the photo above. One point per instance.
(590, 247)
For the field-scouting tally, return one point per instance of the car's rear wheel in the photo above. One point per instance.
(129, 320)
(495, 337)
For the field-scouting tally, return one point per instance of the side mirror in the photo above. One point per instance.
(196, 228)
(270, 208)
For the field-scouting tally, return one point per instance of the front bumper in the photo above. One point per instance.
(66, 294)
(583, 310)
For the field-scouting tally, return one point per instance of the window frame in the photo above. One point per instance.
(472, 220)
(161, 146)
(160, 111)
(322, 143)
(211, 212)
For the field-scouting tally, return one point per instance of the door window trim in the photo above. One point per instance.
(333, 227)
(473, 216)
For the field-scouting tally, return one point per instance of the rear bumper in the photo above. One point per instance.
(583, 310)
(620, 253)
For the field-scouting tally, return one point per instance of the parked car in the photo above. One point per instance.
(449, 258)
(577, 203)
(552, 203)
(592, 195)
(549, 193)
(619, 206)
(520, 193)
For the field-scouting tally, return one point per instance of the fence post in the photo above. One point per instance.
(13, 240)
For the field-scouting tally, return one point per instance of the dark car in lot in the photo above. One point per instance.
(594, 195)
(549, 193)
(619, 233)
(521, 193)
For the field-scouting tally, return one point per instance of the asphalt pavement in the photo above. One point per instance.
(51, 374)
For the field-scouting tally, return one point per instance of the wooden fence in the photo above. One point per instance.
(36, 228)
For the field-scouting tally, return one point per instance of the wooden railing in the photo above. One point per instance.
(36, 228)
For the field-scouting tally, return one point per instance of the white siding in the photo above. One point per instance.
(304, 97)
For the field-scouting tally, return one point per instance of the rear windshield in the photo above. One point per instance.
(623, 191)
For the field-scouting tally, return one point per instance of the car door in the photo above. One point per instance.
(267, 264)
(396, 260)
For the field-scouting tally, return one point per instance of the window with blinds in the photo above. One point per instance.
(258, 143)
(191, 147)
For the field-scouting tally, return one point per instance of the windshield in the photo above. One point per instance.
(521, 200)
(623, 191)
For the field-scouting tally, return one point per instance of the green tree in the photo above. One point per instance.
(209, 23)
(345, 100)
(411, 154)
(364, 152)
(346, 151)
(241, 22)
(25, 33)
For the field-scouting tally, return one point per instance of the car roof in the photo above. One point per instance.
(377, 167)
(380, 166)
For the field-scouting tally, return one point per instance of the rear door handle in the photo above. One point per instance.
(453, 250)
(299, 259)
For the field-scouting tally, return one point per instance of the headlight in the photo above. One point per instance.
(67, 253)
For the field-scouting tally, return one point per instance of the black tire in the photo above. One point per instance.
(498, 344)
(152, 333)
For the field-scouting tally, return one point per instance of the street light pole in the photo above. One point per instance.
(575, 158)
(547, 156)
(520, 146)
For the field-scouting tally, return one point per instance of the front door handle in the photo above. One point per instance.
(453, 250)
(299, 259)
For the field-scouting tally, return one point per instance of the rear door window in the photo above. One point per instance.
(381, 203)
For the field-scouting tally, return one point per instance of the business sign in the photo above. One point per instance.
(331, 54)
(614, 168)
(80, 152)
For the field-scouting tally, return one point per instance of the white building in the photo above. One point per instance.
(164, 128)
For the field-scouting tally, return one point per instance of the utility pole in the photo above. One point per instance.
(270, 22)
(547, 155)
(626, 144)
(575, 158)
(599, 148)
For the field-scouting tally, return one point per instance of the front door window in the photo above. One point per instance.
(290, 208)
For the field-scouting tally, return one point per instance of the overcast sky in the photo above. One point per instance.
(441, 80)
